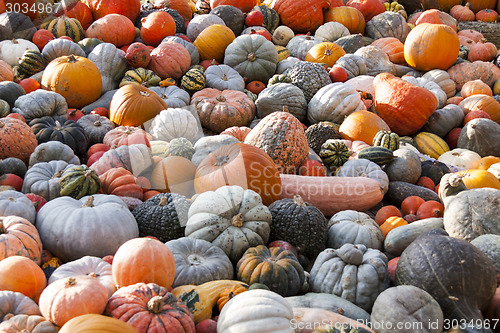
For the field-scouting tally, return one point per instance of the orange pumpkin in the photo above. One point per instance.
(350, 17)
(477, 5)
(239, 133)
(157, 26)
(475, 35)
(229, 293)
(6, 72)
(392, 223)
(144, 260)
(244, 5)
(430, 209)
(410, 205)
(76, 78)
(23, 275)
(476, 178)
(474, 88)
(431, 46)
(133, 104)
(16, 139)
(82, 13)
(170, 60)
(484, 103)
(487, 15)
(443, 5)
(325, 53)
(462, 13)
(363, 126)
(403, 106)
(96, 323)
(488, 161)
(243, 165)
(385, 212)
(301, 16)
(435, 16)
(19, 237)
(392, 47)
(71, 297)
(454, 100)
(121, 182)
(112, 28)
(475, 114)
(212, 42)
(174, 174)
(101, 8)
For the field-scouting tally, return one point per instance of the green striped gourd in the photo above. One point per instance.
(378, 155)
(144, 77)
(180, 147)
(194, 80)
(65, 26)
(79, 181)
(386, 139)
(278, 78)
(334, 152)
(31, 62)
(271, 17)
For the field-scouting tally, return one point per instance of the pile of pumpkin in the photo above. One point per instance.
(236, 166)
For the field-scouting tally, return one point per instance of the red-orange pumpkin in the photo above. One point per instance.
(213, 41)
(82, 13)
(392, 47)
(112, 28)
(369, 8)
(482, 50)
(477, 5)
(23, 275)
(181, 6)
(301, 16)
(101, 8)
(244, 5)
(16, 139)
(19, 237)
(350, 17)
(487, 15)
(243, 165)
(239, 133)
(403, 106)
(435, 16)
(121, 182)
(133, 104)
(143, 260)
(157, 26)
(170, 60)
(125, 136)
(6, 72)
(462, 13)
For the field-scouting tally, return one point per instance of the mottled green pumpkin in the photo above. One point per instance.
(318, 133)
(387, 139)
(144, 77)
(79, 181)
(334, 152)
(31, 63)
(4, 108)
(180, 147)
(278, 78)
(276, 268)
(194, 80)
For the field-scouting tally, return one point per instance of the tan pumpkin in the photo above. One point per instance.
(26, 323)
(170, 60)
(474, 88)
(212, 42)
(77, 79)
(23, 275)
(96, 323)
(19, 237)
(133, 104)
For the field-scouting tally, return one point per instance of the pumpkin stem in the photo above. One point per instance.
(328, 52)
(224, 77)
(237, 221)
(144, 93)
(155, 304)
(97, 123)
(93, 274)
(88, 173)
(58, 174)
(285, 109)
(14, 41)
(2, 228)
(70, 282)
(251, 56)
(71, 58)
(221, 98)
(221, 160)
(452, 185)
(299, 201)
(163, 201)
(89, 202)
(2, 124)
(58, 125)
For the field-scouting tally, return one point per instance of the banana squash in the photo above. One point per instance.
(431, 144)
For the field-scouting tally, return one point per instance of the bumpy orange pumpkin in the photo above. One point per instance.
(431, 46)
(76, 78)
(212, 42)
(19, 237)
(350, 17)
(362, 126)
(483, 51)
(243, 165)
(144, 260)
(16, 139)
(487, 15)
(301, 16)
(170, 60)
(133, 104)
(112, 28)
(21, 274)
(403, 106)
(325, 53)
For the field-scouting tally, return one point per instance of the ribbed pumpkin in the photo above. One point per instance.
(144, 77)
(16, 139)
(301, 16)
(430, 144)
(19, 237)
(133, 104)
(22, 275)
(271, 17)
(194, 80)
(325, 53)
(244, 5)
(403, 106)
(475, 178)
(96, 323)
(386, 139)
(283, 138)
(82, 13)
(277, 268)
(378, 155)
(65, 26)
(392, 223)
(76, 78)
(350, 17)
(121, 182)
(334, 153)
(170, 60)
(392, 47)
(112, 28)
(227, 294)
(483, 103)
(243, 165)
(180, 147)
(212, 42)
(79, 181)
(363, 126)
(27, 323)
(31, 63)
(239, 133)
(431, 46)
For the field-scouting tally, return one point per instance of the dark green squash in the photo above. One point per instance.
(194, 80)
(163, 216)
(271, 17)
(88, 44)
(233, 17)
(458, 275)
(318, 133)
(378, 155)
(180, 147)
(398, 191)
(63, 130)
(386, 139)
(4, 108)
(31, 63)
(79, 181)
(10, 91)
(13, 165)
(300, 224)
(276, 268)
(144, 77)
(334, 153)
(435, 170)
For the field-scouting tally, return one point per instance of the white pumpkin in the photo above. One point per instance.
(223, 77)
(300, 45)
(333, 103)
(282, 35)
(443, 80)
(111, 63)
(431, 86)
(495, 170)
(256, 311)
(17, 204)
(200, 22)
(331, 31)
(352, 227)
(231, 218)
(364, 168)
(462, 158)
(12, 50)
(174, 123)
(174, 96)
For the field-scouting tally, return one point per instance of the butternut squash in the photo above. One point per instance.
(333, 194)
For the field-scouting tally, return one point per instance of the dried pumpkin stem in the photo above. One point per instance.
(2, 228)
(251, 56)
(71, 281)
(71, 58)
(299, 201)
(93, 274)
(89, 202)
(155, 304)
(58, 125)
(144, 93)
(221, 98)
(58, 174)
(97, 123)
(2, 124)
(221, 160)
(237, 221)
(163, 201)
(87, 174)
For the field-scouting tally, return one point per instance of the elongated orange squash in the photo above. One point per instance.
(333, 194)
